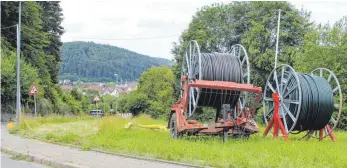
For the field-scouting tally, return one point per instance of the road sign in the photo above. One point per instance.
(96, 98)
(34, 90)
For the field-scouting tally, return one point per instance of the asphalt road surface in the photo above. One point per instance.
(8, 162)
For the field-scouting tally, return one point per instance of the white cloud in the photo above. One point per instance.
(324, 11)
(109, 19)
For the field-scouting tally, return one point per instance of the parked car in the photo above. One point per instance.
(96, 113)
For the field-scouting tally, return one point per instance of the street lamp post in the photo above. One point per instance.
(18, 108)
(116, 95)
(116, 78)
(117, 103)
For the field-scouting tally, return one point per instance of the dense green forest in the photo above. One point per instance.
(40, 58)
(88, 61)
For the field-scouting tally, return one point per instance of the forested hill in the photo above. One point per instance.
(88, 61)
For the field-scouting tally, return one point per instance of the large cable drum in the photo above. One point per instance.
(231, 67)
(308, 102)
(285, 82)
(331, 78)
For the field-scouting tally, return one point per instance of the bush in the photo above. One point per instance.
(76, 94)
(85, 105)
(204, 114)
(123, 103)
(137, 103)
(154, 95)
(29, 75)
(44, 106)
(156, 110)
(63, 108)
(75, 106)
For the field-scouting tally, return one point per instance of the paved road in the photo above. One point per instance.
(8, 162)
(66, 154)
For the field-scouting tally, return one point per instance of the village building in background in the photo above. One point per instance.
(101, 88)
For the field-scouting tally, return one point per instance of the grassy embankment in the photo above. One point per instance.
(257, 151)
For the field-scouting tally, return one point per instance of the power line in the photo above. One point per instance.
(139, 38)
(9, 27)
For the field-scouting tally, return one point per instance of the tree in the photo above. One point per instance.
(51, 23)
(326, 46)
(136, 103)
(157, 84)
(153, 96)
(253, 24)
(29, 75)
(40, 53)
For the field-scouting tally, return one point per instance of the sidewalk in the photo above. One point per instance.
(71, 157)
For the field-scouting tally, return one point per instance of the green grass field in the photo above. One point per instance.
(257, 151)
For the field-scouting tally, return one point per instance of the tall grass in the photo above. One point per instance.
(256, 151)
(28, 122)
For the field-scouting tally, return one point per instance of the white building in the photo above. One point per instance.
(112, 92)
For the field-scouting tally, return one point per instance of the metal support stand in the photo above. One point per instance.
(276, 120)
(331, 135)
(226, 113)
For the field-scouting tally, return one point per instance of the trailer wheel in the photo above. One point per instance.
(173, 128)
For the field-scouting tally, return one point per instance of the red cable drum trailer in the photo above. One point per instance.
(179, 125)
(236, 121)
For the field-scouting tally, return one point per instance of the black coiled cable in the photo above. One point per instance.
(317, 103)
(218, 67)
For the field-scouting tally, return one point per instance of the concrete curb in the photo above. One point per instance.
(133, 156)
(122, 155)
(58, 164)
(147, 158)
(42, 159)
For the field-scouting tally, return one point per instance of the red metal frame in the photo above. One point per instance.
(276, 120)
(193, 126)
(331, 135)
(277, 123)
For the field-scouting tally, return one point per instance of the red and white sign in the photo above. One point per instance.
(34, 90)
(96, 98)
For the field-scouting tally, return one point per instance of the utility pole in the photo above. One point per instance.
(116, 78)
(18, 108)
(117, 103)
(0, 53)
(276, 54)
(118, 93)
(103, 100)
(278, 36)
